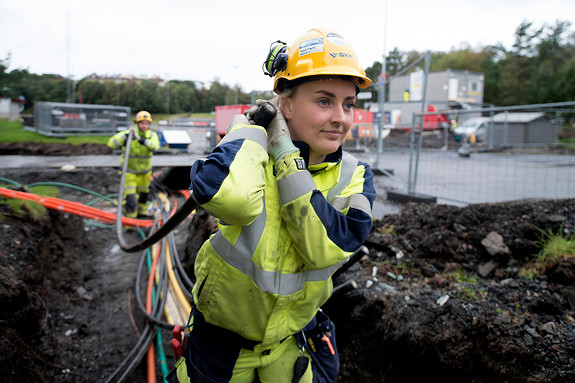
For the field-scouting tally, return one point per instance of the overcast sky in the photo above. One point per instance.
(228, 40)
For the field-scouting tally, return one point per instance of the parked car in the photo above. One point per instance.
(477, 126)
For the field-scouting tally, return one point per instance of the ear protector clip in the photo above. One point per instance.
(276, 61)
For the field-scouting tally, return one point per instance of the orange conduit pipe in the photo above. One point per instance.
(73, 208)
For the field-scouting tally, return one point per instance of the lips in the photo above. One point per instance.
(332, 133)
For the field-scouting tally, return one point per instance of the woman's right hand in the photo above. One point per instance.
(279, 140)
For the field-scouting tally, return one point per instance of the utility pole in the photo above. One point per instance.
(70, 82)
(381, 95)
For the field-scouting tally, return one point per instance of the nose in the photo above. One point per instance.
(338, 115)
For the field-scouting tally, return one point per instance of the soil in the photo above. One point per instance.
(437, 292)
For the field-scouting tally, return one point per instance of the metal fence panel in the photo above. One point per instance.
(518, 160)
(67, 119)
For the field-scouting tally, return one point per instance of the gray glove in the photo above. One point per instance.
(279, 140)
(237, 119)
(135, 134)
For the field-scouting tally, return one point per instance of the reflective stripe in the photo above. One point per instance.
(132, 171)
(252, 134)
(117, 143)
(239, 256)
(294, 186)
(356, 201)
(348, 166)
(140, 157)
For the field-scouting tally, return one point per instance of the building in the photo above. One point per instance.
(448, 89)
(10, 108)
(524, 128)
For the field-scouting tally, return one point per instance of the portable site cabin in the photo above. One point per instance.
(523, 128)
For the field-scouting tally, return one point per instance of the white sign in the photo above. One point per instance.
(364, 96)
(416, 86)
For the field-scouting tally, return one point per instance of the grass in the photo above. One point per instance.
(553, 246)
(13, 131)
(568, 143)
(467, 290)
(30, 209)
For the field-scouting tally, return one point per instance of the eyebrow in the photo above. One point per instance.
(330, 94)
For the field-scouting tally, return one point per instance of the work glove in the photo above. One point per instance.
(279, 140)
(237, 119)
(135, 135)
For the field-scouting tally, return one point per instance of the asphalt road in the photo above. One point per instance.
(90, 161)
(482, 178)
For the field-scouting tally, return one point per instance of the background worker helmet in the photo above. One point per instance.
(143, 116)
(317, 52)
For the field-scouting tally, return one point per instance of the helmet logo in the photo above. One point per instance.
(336, 39)
(310, 46)
(341, 54)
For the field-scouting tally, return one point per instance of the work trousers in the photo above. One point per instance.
(215, 355)
(136, 193)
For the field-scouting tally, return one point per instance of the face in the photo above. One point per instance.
(320, 113)
(144, 125)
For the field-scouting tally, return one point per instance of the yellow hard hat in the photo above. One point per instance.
(315, 53)
(143, 115)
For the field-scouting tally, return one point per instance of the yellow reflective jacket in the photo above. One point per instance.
(140, 161)
(284, 230)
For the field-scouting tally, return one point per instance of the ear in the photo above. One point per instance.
(285, 107)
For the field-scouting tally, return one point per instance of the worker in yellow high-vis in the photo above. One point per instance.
(145, 142)
(292, 208)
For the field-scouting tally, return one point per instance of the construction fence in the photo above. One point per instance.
(68, 119)
(511, 153)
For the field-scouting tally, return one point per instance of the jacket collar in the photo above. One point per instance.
(332, 158)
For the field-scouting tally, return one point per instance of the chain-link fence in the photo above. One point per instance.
(482, 155)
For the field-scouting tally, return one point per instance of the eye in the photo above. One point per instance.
(349, 105)
(323, 101)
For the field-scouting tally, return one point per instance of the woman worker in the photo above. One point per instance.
(292, 208)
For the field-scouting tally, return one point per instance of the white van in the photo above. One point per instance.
(477, 126)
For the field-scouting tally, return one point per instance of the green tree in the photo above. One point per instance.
(146, 96)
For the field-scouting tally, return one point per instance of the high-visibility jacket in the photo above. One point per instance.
(284, 230)
(140, 161)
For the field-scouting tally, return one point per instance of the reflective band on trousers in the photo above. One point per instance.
(240, 255)
(132, 171)
(140, 157)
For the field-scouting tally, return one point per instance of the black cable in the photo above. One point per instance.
(181, 274)
(186, 289)
(161, 293)
(178, 217)
(142, 344)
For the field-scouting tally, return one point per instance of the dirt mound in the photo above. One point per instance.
(440, 294)
(54, 149)
(435, 294)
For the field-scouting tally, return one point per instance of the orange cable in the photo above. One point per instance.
(73, 207)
